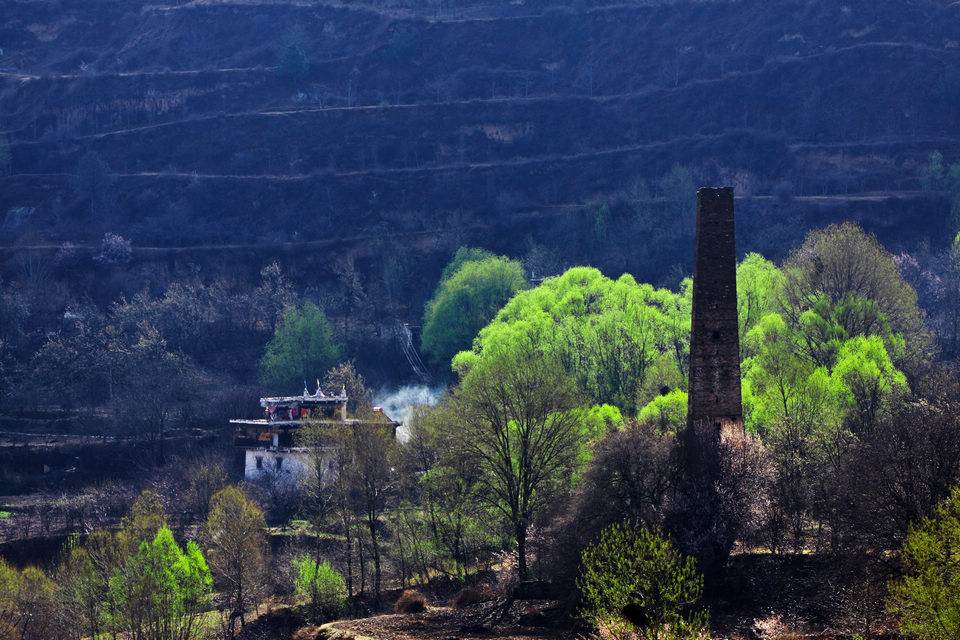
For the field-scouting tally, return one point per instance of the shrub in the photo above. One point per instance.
(324, 589)
(927, 600)
(114, 249)
(634, 582)
(473, 595)
(410, 601)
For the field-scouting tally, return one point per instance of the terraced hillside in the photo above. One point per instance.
(414, 127)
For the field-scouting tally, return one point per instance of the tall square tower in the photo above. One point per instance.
(714, 411)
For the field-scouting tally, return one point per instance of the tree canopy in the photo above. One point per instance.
(841, 264)
(607, 334)
(302, 347)
(234, 531)
(520, 430)
(466, 299)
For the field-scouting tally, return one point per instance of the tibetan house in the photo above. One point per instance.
(271, 450)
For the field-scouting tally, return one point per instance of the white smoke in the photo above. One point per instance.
(398, 404)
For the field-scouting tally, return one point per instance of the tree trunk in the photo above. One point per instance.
(521, 532)
(363, 563)
(346, 528)
(375, 550)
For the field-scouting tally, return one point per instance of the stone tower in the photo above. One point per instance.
(714, 412)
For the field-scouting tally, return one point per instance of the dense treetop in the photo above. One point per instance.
(608, 334)
(472, 289)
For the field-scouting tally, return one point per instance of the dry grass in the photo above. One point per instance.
(411, 601)
(473, 595)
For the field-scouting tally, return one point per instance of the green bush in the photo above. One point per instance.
(324, 588)
(927, 599)
(302, 347)
(634, 583)
(466, 301)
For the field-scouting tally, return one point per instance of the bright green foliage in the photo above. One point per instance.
(595, 423)
(630, 565)
(461, 257)
(162, 590)
(599, 420)
(83, 593)
(759, 283)
(27, 603)
(453, 529)
(927, 600)
(9, 595)
(849, 379)
(668, 413)
(301, 349)
(847, 278)
(863, 380)
(466, 301)
(323, 588)
(810, 414)
(607, 334)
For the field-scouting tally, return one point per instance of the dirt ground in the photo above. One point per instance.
(506, 620)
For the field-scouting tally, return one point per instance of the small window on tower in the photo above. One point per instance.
(259, 462)
(279, 463)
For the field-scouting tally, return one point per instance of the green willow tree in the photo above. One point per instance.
(841, 264)
(301, 348)
(163, 590)
(810, 414)
(451, 525)
(465, 300)
(607, 334)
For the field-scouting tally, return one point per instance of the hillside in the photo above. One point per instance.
(417, 127)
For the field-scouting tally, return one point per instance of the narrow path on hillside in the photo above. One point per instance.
(270, 112)
(384, 171)
(650, 147)
(532, 212)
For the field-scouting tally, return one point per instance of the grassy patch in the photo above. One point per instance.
(4, 514)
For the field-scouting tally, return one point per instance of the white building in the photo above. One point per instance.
(270, 443)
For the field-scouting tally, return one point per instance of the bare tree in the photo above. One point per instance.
(234, 532)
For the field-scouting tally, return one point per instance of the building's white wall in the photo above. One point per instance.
(295, 465)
